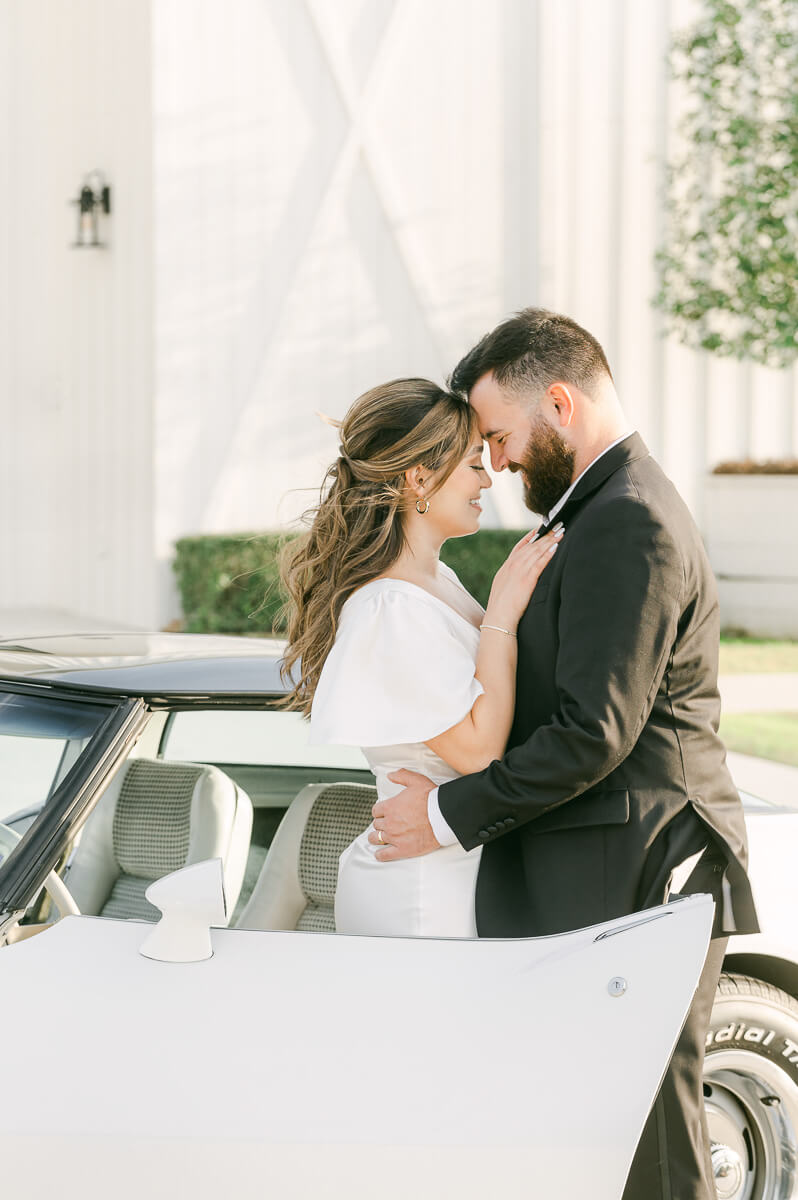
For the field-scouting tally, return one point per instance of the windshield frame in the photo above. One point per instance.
(23, 872)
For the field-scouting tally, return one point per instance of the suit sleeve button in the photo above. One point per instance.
(483, 835)
(492, 829)
(509, 820)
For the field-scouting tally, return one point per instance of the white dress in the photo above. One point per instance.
(401, 672)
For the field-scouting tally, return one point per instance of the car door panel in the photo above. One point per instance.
(302, 1064)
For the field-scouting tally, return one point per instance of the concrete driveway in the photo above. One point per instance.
(777, 692)
(28, 622)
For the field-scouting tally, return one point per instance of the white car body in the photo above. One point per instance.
(773, 852)
(304, 1064)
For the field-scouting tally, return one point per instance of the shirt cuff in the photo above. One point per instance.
(440, 826)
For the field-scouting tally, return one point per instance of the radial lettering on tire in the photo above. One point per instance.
(751, 1090)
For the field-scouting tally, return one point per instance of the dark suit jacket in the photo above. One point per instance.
(614, 771)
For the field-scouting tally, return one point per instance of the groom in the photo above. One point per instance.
(613, 791)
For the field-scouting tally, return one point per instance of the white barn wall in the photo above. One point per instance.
(342, 192)
(330, 214)
(397, 176)
(76, 497)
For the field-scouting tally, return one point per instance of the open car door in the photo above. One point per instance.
(308, 1065)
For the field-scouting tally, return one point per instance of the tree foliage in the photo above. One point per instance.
(728, 267)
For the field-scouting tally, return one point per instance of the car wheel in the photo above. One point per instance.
(751, 1090)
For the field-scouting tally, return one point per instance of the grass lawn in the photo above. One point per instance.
(766, 735)
(738, 656)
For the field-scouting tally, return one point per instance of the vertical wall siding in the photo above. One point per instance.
(331, 213)
(76, 367)
(396, 177)
(354, 191)
(342, 193)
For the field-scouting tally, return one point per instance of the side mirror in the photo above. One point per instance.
(191, 900)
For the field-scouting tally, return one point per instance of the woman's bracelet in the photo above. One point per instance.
(499, 629)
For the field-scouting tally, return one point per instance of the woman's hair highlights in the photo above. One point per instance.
(357, 529)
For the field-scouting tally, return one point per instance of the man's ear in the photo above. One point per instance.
(561, 401)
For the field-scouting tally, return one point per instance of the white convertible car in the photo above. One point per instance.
(181, 1018)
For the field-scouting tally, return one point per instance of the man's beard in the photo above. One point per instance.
(547, 467)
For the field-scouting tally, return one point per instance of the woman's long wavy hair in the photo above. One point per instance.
(357, 529)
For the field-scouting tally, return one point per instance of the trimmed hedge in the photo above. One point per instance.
(229, 583)
(477, 558)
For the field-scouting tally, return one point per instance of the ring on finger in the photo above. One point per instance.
(379, 835)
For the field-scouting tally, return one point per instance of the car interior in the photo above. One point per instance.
(241, 785)
(278, 816)
(153, 818)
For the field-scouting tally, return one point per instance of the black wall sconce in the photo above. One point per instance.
(94, 198)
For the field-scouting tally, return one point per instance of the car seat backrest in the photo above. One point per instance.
(150, 832)
(154, 818)
(296, 885)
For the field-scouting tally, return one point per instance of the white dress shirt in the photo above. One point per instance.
(440, 826)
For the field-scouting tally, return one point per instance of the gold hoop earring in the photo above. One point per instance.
(422, 500)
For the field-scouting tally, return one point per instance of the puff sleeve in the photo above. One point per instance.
(401, 671)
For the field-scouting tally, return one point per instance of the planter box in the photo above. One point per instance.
(751, 534)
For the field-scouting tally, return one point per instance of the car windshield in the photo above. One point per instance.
(41, 740)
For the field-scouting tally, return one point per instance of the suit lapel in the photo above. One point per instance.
(629, 450)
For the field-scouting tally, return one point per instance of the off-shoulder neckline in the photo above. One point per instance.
(415, 587)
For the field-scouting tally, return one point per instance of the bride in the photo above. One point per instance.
(391, 652)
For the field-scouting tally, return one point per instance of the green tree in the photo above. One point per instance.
(728, 270)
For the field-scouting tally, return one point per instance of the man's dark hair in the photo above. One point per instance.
(531, 350)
